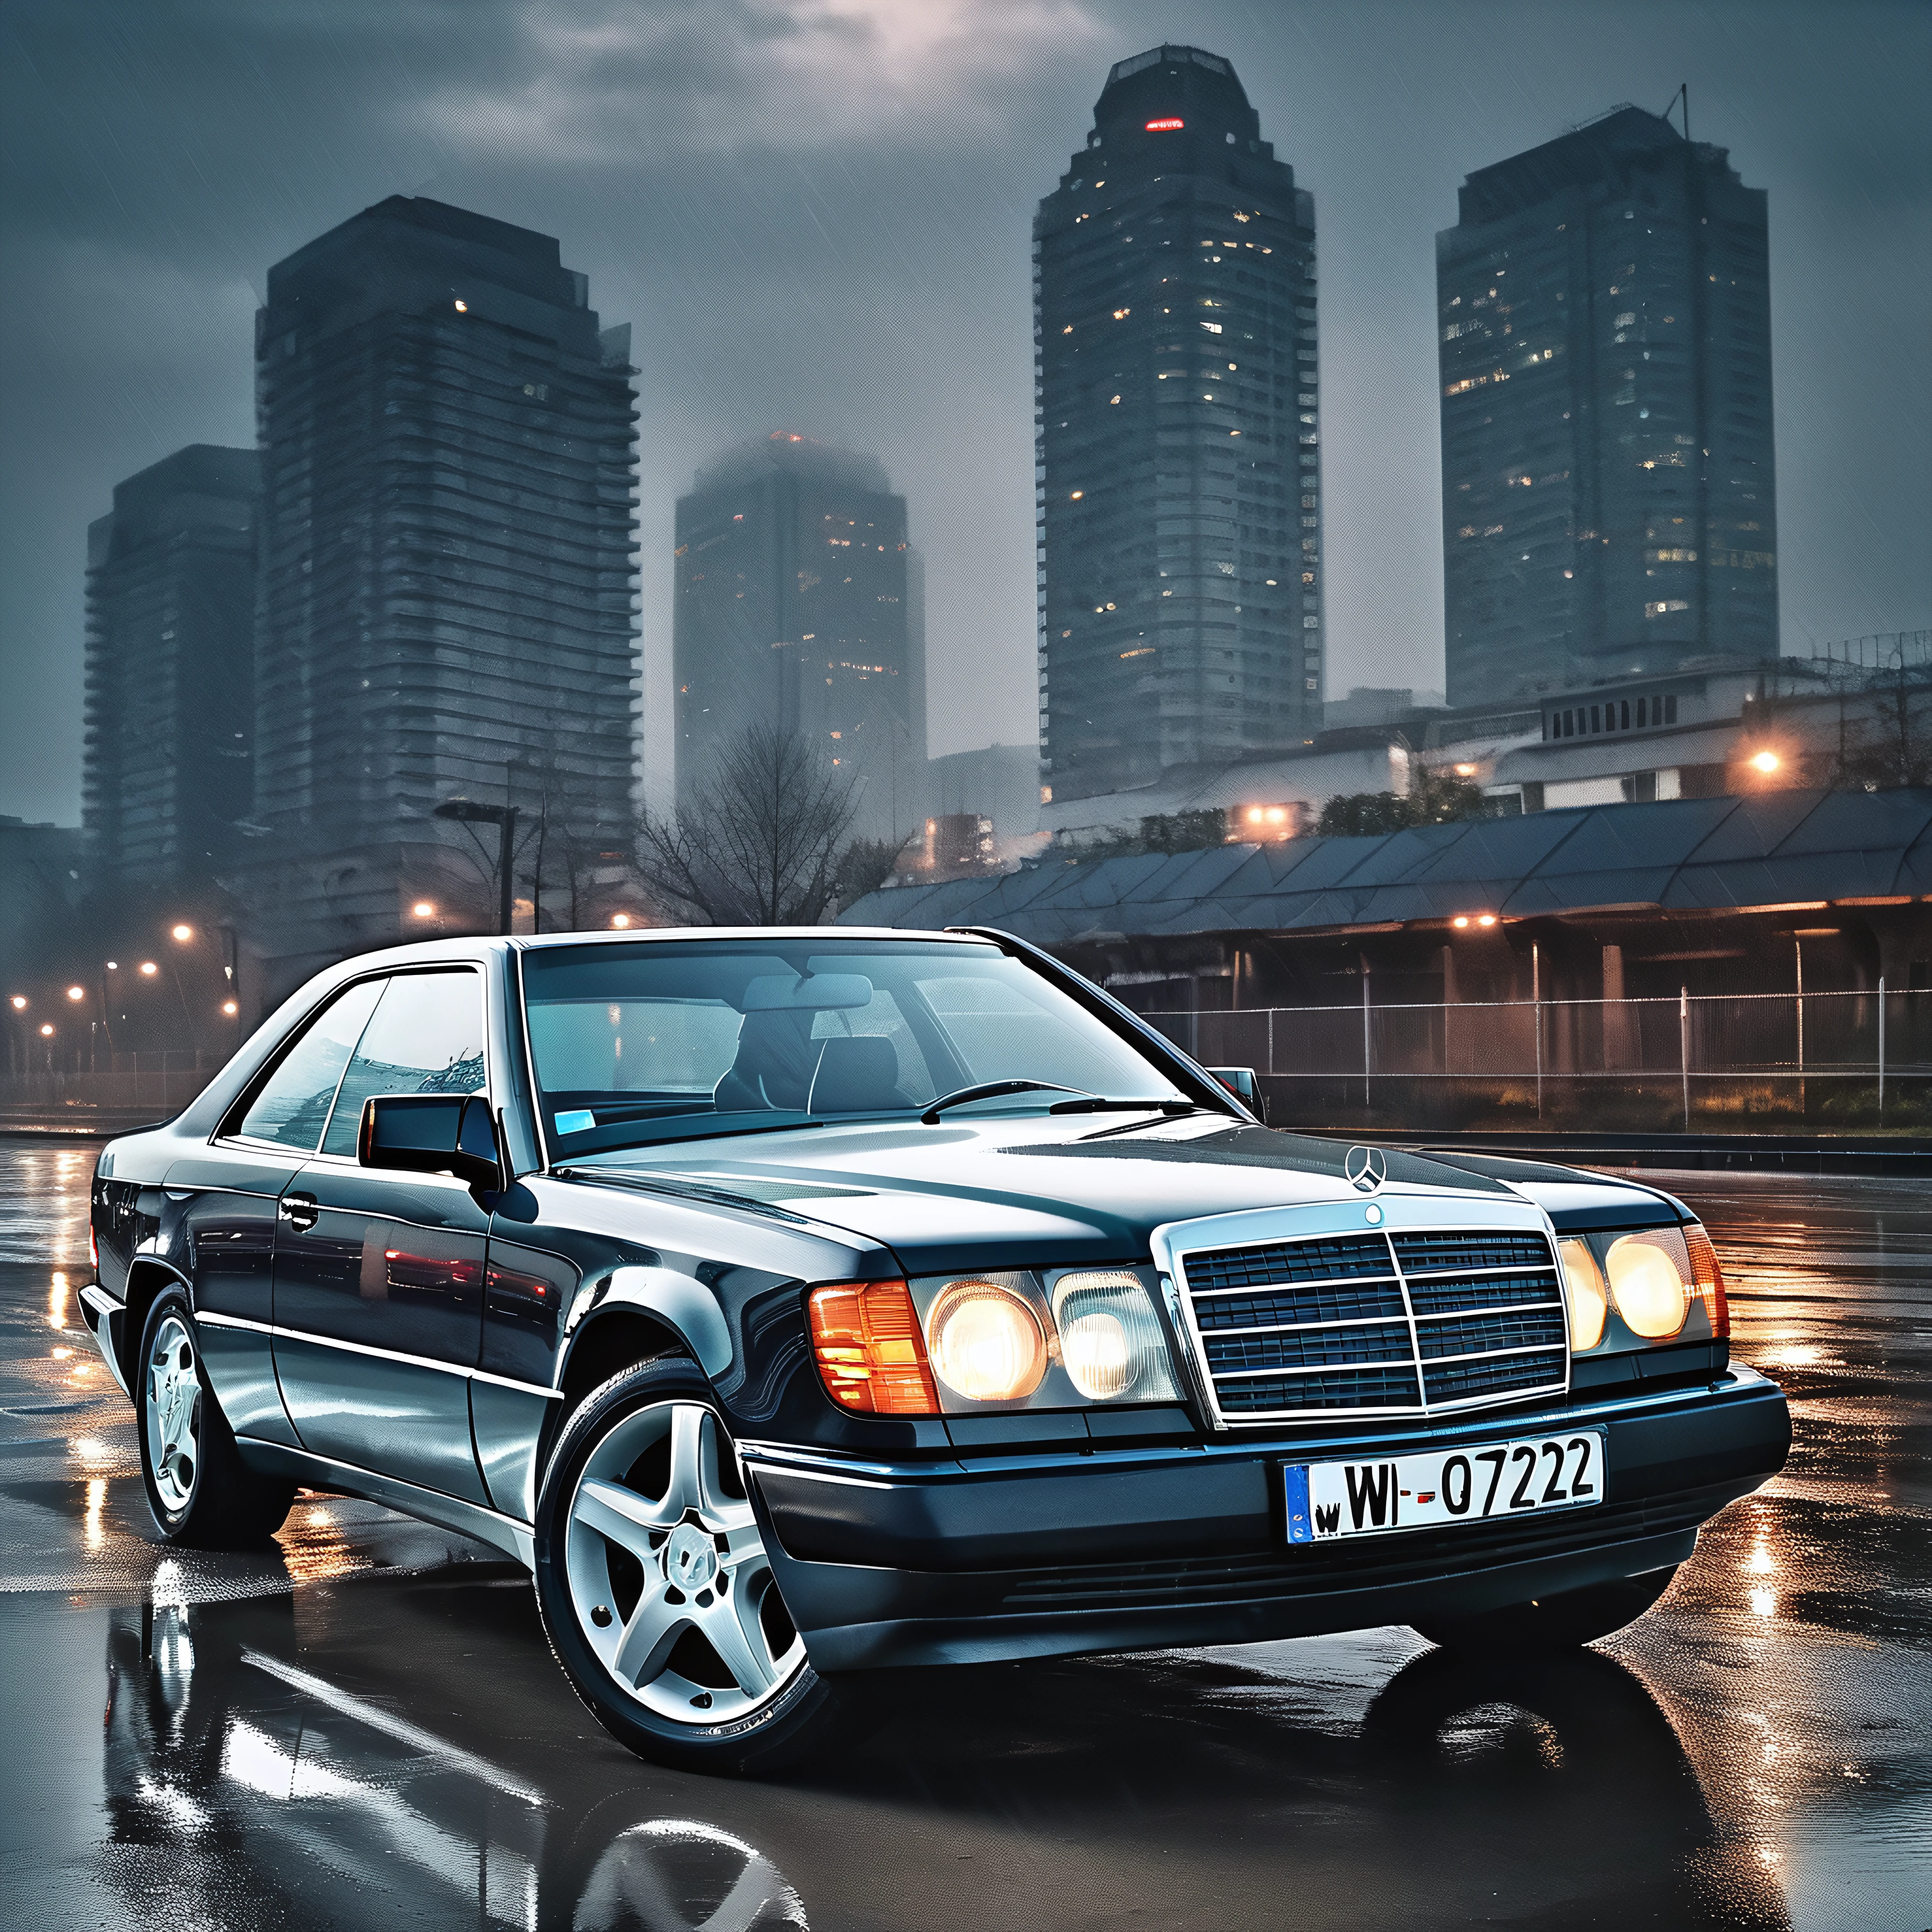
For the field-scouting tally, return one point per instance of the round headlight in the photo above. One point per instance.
(1649, 1279)
(985, 1343)
(1110, 1343)
(1583, 1289)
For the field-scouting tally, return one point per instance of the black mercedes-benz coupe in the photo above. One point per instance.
(802, 1304)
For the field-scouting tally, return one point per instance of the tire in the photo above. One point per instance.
(656, 1594)
(1549, 1624)
(200, 1493)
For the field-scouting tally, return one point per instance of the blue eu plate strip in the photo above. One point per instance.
(1300, 1527)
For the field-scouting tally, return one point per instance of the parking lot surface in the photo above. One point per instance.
(361, 1725)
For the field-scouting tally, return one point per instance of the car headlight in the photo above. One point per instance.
(1110, 1345)
(984, 1342)
(1583, 1290)
(1650, 1280)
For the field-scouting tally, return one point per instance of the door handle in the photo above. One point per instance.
(299, 1210)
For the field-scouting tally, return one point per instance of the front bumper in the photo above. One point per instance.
(104, 1317)
(896, 1564)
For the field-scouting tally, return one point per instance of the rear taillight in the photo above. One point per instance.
(870, 1355)
(1707, 1280)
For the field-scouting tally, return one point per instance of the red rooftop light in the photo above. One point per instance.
(1165, 126)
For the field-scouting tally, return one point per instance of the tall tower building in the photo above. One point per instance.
(1609, 505)
(448, 464)
(167, 770)
(1176, 475)
(795, 590)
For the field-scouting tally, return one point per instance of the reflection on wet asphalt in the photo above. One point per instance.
(363, 1726)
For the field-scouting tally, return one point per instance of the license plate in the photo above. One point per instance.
(1531, 1475)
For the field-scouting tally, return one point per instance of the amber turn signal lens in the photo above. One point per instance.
(871, 1356)
(1707, 1280)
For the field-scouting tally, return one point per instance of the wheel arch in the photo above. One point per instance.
(147, 1279)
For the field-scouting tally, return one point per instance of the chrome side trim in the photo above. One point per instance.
(501, 1532)
(776, 1467)
(214, 1320)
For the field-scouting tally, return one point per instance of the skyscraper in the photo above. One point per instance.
(166, 771)
(794, 610)
(448, 561)
(1609, 503)
(1177, 477)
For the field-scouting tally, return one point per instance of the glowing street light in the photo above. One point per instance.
(423, 909)
(1765, 761)
(184, 933)
(621, 921)
(47, 1032)
(148, 969)
(18, 1002)
(229, 1007)
(76, 992)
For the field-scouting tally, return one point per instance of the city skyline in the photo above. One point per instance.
(787, 226)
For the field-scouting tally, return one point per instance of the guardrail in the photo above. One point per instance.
(1864, 1057)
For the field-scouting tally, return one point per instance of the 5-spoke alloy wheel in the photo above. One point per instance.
(199, 1491)
(656, 1590)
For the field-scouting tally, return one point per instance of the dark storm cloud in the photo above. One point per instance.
(815, 212)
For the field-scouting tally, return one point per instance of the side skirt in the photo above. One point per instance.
(502, 1532)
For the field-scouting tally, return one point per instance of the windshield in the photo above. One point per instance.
(666, 1041)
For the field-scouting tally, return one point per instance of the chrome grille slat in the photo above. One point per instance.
(1399, 1322)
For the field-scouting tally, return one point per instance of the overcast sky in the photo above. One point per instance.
(814, 213)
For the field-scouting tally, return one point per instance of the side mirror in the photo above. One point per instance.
(1240, 1081)
(431, 1133)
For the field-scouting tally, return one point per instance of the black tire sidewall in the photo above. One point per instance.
(782, 1732)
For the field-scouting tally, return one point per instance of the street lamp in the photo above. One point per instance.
(18, 1002)
(504, 818)
(76, 992)
(184, 933)
(621, 921)
(148, 969)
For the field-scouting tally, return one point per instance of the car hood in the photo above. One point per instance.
(1017, 1192)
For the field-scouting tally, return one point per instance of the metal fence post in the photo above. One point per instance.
(1536, 1006)
(1881, 1046)
(1798, 945)
(1365, 1032)
(1684, 1048)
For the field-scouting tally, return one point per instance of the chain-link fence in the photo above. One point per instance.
(1741, 1062)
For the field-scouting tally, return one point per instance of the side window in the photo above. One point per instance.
(426, 1037)
(291, 1107)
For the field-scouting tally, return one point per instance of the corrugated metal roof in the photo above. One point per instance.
(1709, 854)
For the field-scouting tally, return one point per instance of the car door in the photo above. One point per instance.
(233, 1187)
(379, 1275)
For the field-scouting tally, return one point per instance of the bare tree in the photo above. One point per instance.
(1893, 745)
(763, 840)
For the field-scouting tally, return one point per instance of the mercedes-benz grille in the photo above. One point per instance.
(1401, 1322)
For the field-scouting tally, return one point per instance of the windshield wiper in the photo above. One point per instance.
(988, 1089)
(1094, 1105)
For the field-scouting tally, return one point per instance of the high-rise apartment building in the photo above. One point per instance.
(167, 770)
(448, 572)
(1177, 473)
(794, 589)
(1609, 503)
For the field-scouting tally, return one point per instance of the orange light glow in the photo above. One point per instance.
(1165, 126)
(184, 933)
(870, 1355)
(229, 1007)
(1461, 919)
(149, 968)
(46, 1033)
(423, 909)
(1467, 771)
(1707, 1280)
(76, 992)
(1485, 919)
(621, 920)
(1765, 761)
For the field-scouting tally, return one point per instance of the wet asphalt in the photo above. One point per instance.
(362, 1725)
